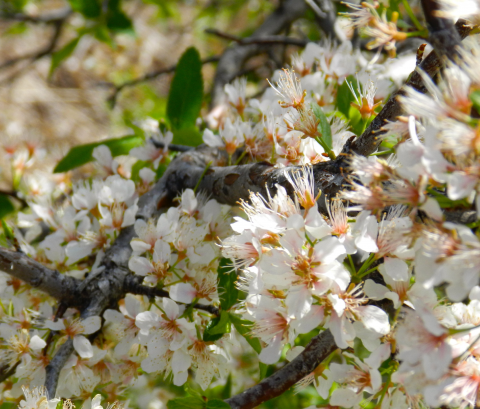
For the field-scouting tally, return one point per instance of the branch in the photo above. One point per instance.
(368, 142)
(47, 18)
(325, 14)
(233, 58)
(133, 285)
(38, 54)
(112, 100)
(263, 40)
(444, 38)
(55, 366)
(59, 286)
(319, 348)
(172, 146)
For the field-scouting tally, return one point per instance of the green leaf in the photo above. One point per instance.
(186, 92)
(117, 20)
(89, 8)
(137, 167)
(217, 404)
(226, 284)
(323, 126)
(345, 96)
(244, 327)
(190, 402)
(79, 155)
(475, 98)
(217, 327)
(61, 55)
(187, 136)
(6, 206)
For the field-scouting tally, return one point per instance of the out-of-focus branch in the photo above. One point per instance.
(234, 58)
(368, 142)
(112, 100)
(133, 285)
(443, 36)
(319, 348)
(263, 40)
(325, 14)
(172, 146)
(59, 286)
(35, 56)
(47, 18)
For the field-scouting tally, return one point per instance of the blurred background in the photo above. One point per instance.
(74, 71)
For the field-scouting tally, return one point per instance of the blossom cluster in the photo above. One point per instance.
(386, 266)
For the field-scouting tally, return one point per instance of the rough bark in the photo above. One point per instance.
(319, 348)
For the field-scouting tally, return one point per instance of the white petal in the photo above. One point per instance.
(83, 346)
(395, 268)
(375, 319)
(54, 326)
(36, 343)
(346, 398)
(182, 292)
(91, 325)
(140, 265)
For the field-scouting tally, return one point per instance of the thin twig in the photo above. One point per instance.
(33, 57)
(258, 40)
(47, 18)
(112, 100)
(171, 147)
(133, 285)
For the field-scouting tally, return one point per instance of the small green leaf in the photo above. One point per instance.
(217, 327)
(190, 402)
(323, 126)
(137, 167)
(227, 388)
(117, 20)
(8, 232)
(345, 96)
(79, 155)
(6, 206)
(217, 404)
(88, 8)
(244, 327)
(475, 98)
(186, 92)
(61, 55)
(227, 290)
(187, 136)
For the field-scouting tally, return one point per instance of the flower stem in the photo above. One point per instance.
(412, 15)
(365, 265)
(421, 33)
(202, 176)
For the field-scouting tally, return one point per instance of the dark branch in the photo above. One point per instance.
(59, 286)
(55, 366)
(368, 142)
(443, 35)
(172, 146)
(133, 284)
(234, 58)
(319, 348)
